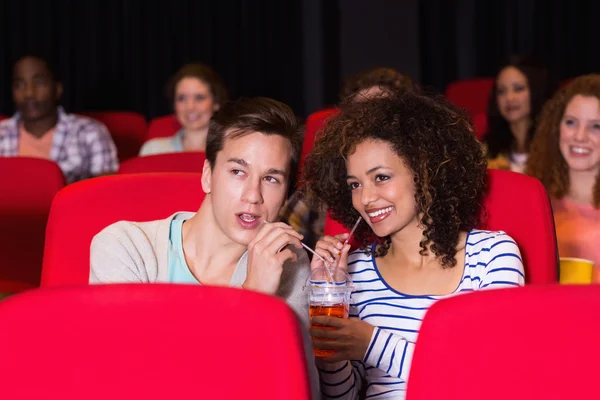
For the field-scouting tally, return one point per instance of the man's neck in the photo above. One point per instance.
(40, 126)
(211, 256)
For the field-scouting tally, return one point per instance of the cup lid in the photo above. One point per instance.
(329, 277)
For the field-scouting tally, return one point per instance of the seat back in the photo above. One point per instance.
(518, 205)
(151, 342)
(28, 186)
(128, 130)
(83, 209)
(163, 127)
(314, 122)
(480, 123)
(471, 94)
(536, 342)
(168, 162)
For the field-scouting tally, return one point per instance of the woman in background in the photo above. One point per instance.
(565, 157)
(375, 82)
(196, 92)
(521, 88)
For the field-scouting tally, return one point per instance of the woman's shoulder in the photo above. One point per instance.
(159, 146)
(483, 244)
(360, 259)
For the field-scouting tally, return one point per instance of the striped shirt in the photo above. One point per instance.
(492, 260)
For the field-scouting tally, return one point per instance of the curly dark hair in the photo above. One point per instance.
(546, 161)
(542, 85)
(384, 78)
(438, 144)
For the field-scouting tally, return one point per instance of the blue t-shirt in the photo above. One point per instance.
(177, 267)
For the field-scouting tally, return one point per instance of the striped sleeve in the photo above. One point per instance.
(390, 353)
(342, 380)
(504, 267)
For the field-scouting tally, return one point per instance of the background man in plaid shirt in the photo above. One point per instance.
(82, 147)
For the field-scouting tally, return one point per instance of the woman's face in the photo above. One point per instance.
(580, 134)
(513, 95)
(382, 186)
(194, 103)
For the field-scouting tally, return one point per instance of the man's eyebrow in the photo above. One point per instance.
(239, 161)
(275, 171)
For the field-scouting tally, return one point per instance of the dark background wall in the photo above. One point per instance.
(118, 54)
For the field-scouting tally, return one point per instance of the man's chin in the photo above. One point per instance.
(32, 116)
(243, 237)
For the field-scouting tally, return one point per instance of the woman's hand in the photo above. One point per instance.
(332, 249)
(349, 337)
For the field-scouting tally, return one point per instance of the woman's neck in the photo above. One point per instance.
(520, 131)
(406, 246)
(195, 140)
(581, 186)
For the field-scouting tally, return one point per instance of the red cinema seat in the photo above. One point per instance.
(142, 341)
(163, 127)
(27, 188)
(510, 344)
(83, 209)
(168, 162)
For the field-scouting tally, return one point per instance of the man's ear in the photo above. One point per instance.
(206, 177)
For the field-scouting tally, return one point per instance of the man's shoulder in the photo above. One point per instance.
(7, 125)
(130, 227)
(79, 124)
(140, 231)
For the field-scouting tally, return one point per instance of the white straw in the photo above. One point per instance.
(309, 249)
(315, 253)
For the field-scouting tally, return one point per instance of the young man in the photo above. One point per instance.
(233, 239)
(81, 146)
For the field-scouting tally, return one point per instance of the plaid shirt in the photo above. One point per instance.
(82, 147)
(310, 222)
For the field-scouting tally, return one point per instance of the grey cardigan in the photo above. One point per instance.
(137, 252)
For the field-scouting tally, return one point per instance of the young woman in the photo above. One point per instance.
(196, 92)
(565, 157)
(520, 90)
(411, 167)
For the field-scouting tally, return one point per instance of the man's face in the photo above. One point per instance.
(248, 183)
(35, 91)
